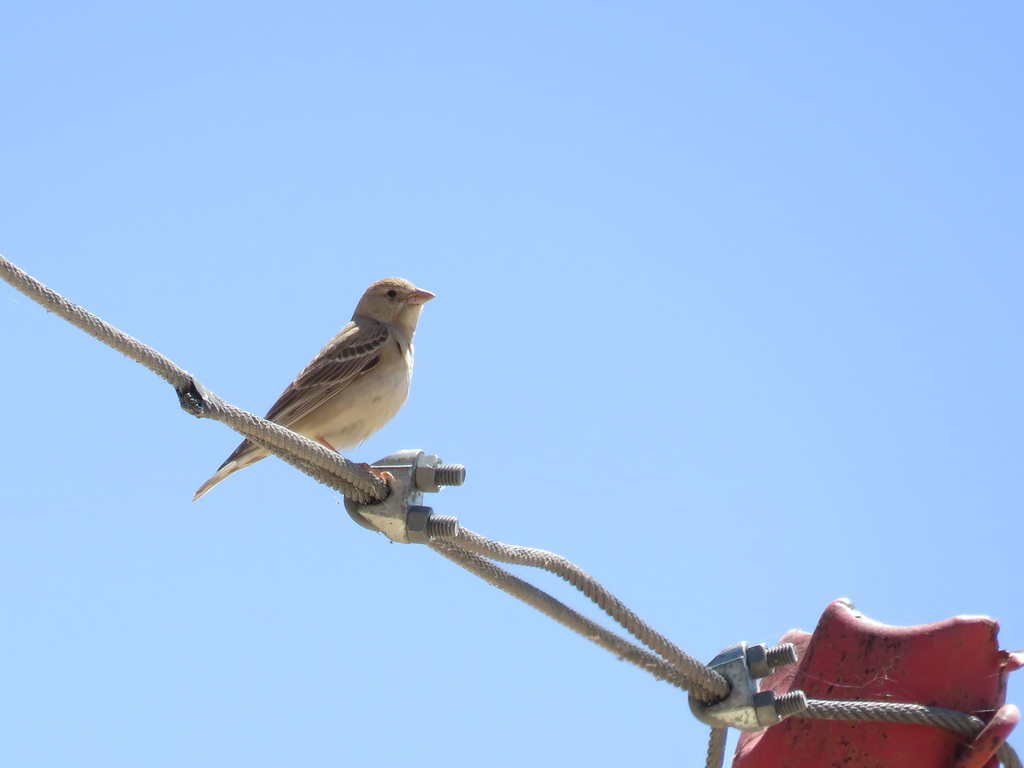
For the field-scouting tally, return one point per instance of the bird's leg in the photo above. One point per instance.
(384, 475)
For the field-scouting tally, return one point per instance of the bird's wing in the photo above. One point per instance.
(356, 349)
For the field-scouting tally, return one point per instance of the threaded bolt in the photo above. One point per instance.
(450, 474)
(781, 655)
(442, 527)
(761, 660)
(431, 474)
(790, 703)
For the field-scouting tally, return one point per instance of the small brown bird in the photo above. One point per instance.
(355, 385)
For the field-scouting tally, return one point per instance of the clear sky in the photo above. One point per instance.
(729, 312)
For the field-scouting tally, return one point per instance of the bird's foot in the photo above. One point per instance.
(384, 475)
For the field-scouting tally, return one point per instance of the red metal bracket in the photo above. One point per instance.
(954, 664)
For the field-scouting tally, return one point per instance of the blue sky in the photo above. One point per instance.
(728, 312)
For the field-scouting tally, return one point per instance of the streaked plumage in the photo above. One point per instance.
(355, 385)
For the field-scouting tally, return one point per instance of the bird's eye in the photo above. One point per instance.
(392, 293)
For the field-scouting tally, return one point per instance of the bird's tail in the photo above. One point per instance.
(228, 468)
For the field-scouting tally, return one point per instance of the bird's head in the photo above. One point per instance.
(393, 301)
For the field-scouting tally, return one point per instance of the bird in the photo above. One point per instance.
(355, 384)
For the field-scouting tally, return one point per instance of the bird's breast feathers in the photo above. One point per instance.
(368, 403)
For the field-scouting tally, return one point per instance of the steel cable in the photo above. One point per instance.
(323, 465)
(563, 614)
(705, 683)
(894, 712)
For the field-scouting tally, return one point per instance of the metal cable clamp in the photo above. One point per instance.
(747, 708)
(401, 516)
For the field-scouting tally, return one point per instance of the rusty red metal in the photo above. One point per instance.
(954, 664)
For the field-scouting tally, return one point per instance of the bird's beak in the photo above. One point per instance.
(419, 297)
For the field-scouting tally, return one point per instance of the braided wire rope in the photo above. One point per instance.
(706, 684)
(560, 612)
(716, 748)
(361, 486)
(323, 465)
(895, 712)
(470, 550)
